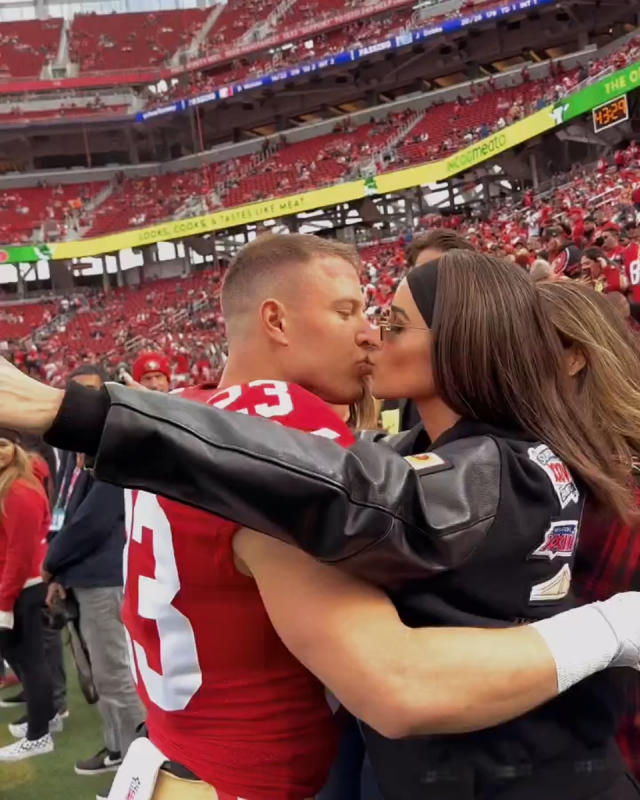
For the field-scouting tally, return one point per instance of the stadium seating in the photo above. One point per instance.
(144, 201)
(298, 166)
(27, 45)
(17, 321)
(112, 42)
(324, 160)
(312, 163)
(237, 17)
(304, 165)
(24, 210)
(451, 126)
(363, 31)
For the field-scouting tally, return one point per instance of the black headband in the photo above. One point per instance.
(423, 284)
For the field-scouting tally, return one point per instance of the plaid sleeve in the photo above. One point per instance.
(608, 561)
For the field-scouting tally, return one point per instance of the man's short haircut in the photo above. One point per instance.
(436, 239)
(89, 369)
(260, 266)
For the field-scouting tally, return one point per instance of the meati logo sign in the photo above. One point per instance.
(478, 152)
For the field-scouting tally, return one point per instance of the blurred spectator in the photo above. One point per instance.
(24, 524)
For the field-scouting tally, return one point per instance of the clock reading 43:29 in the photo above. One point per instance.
(610, 113)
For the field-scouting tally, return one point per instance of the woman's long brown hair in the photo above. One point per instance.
(498, 358)
(609, 384)
(19, 468)
(363, 414)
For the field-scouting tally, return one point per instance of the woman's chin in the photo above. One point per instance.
(382, 392)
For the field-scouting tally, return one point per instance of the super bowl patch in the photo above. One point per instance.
(556, 588)
(560, 540)
(560, 477)
(427, 462)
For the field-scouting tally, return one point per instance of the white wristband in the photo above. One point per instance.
(581, 642)
(6, 619)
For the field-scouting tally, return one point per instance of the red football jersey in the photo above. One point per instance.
(224, 697)
(632, 268)
(609, 280)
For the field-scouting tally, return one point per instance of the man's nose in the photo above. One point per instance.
(369, 336)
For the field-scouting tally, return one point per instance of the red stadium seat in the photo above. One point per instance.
(109, 42)
(27, 45)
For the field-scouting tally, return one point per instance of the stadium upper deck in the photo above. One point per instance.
(98, 206)
(116, 43)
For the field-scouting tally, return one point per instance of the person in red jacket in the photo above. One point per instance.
(597, 270)
(24, 524)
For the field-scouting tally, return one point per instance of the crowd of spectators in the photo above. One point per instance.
(585, 209)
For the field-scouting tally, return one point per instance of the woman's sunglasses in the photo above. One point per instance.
(389, 328)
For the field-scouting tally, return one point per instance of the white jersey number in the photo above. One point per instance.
(278, 390)
(634, 272)
(180, 676)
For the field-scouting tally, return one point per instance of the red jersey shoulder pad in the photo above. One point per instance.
(282, 402)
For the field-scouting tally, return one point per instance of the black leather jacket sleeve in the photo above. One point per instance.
(365, 507)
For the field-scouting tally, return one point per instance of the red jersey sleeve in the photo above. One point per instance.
(22, 522)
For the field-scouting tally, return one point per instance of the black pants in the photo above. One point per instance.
(23, 647)
(55, 661)
(404, 773)
(350, 777)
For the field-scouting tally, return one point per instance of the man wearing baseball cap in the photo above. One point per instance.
(152, 371)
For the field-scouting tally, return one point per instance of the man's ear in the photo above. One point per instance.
(575, 360)
(274, 321)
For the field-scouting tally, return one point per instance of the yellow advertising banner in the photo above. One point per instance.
(533, 125)
(218, 220)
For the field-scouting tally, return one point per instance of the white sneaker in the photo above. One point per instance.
(24, 748)
(19, 729)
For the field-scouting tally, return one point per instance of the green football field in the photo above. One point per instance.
(51, 777)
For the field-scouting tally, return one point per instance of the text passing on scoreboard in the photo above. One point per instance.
(611, 113)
